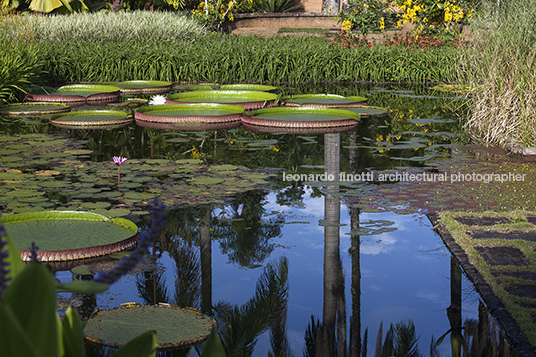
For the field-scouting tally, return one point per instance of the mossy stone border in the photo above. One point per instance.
(495, 305)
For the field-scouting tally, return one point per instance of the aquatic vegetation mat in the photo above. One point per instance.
(175, 326)
(498, 253)
(65, 235)
(41, 172)
(474, 184)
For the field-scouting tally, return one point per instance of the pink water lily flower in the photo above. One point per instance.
(118, 160)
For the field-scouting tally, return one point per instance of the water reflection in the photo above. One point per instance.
(297, 268)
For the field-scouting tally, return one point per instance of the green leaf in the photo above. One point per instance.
(13, 338)
(440, 339)
(14, 260)
(142, 346)
(73, 335)
(213, 346)
(84, 287)
(37, 316)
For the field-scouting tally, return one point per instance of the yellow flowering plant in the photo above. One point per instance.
(365, 16)
(438, 17)
(214, 13)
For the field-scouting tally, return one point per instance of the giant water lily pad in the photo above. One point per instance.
(190, 113)
(193, 87)
(244, 98)
(69, 235)
(301, 117)
(78, 93)
(299, 131)
(368, 111)
(146, 87)
(193, 126)
(34, 108)
(241, 86)
(175, 326)
(324, 100)
(91, 118)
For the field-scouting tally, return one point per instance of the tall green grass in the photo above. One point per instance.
(501, 65)
(143, 26)
(230, 59)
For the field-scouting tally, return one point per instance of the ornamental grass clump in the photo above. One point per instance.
(501, 65)
(141, 26)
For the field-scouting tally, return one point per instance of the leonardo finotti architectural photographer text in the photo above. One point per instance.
(456, 177)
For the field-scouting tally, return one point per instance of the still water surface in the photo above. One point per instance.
(348, 266)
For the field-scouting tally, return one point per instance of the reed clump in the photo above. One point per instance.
(501, 66)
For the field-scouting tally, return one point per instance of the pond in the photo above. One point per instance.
(350, 263)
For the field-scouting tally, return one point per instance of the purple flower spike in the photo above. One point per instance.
(119, 160)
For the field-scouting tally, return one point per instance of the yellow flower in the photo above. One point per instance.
(347, 25)
(382, 23)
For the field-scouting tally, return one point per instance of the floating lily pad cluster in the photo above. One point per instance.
(41, 172)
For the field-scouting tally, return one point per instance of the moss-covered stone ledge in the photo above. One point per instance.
(497, 251)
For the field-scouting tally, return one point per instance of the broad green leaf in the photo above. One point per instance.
(142, 346)
(73, 334)
(37, 316)
(14, 340)
(16, 264)
(213, 346)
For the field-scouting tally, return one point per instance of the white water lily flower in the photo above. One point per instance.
(157, 100)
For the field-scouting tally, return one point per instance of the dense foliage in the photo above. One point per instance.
(233, 59)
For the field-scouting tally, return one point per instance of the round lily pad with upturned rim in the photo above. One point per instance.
(140, 86)
(175, 327)
(244, 98)
(301, 117)
(193, 87)
(190, 113)
(34, 108)
(257, 87)
(193, 126)
(368, 111)
(69, 235)
(300, 131)
(78, 93)
(323, 100)
(84, 118)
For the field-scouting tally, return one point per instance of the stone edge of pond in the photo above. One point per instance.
(495, 305)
